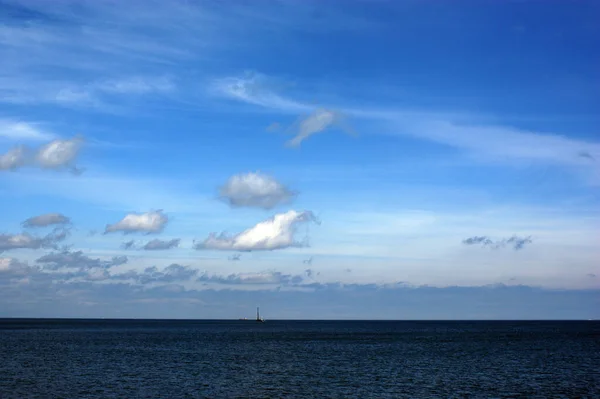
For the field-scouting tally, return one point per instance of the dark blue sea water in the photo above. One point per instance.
(298, 359)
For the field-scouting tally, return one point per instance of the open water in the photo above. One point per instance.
(298, 359)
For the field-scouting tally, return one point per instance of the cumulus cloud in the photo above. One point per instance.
(256, 190)
(157, 244)
(27, 241)
(318, 121)
(77, 260)
(14, 158)
(45, 220)
(149, 222)
(276, 232)
(57, 154)
(515, 242)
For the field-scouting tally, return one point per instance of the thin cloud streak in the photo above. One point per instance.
(20, 130)
(516, 242)
(45, 220)
(496, 143)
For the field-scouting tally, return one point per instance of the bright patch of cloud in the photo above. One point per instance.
(17, 130)
(274, 233)
(45, 220)
(157, 244)
(59, 153)
(255, 190)
(149, 222)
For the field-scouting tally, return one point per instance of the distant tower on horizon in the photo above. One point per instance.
(258, 319)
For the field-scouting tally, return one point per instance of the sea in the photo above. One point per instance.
(65, 358)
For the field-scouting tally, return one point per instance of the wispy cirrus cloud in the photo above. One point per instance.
(274, 233)
(256, 190)
(256, 89)
(483, 142)
(91, 54)
(18, 130)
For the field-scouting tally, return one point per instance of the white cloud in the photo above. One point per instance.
(18, 130)
(46, 220)
(149, 222)
(255, 190)
(14, 158)
(59, 153)
(274, 233)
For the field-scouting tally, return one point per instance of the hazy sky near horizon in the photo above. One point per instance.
(200, 158)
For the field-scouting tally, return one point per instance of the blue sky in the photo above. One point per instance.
(430, 153)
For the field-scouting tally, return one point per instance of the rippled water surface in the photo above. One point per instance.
(298, 359)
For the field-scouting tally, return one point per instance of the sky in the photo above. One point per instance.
(356, 159)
